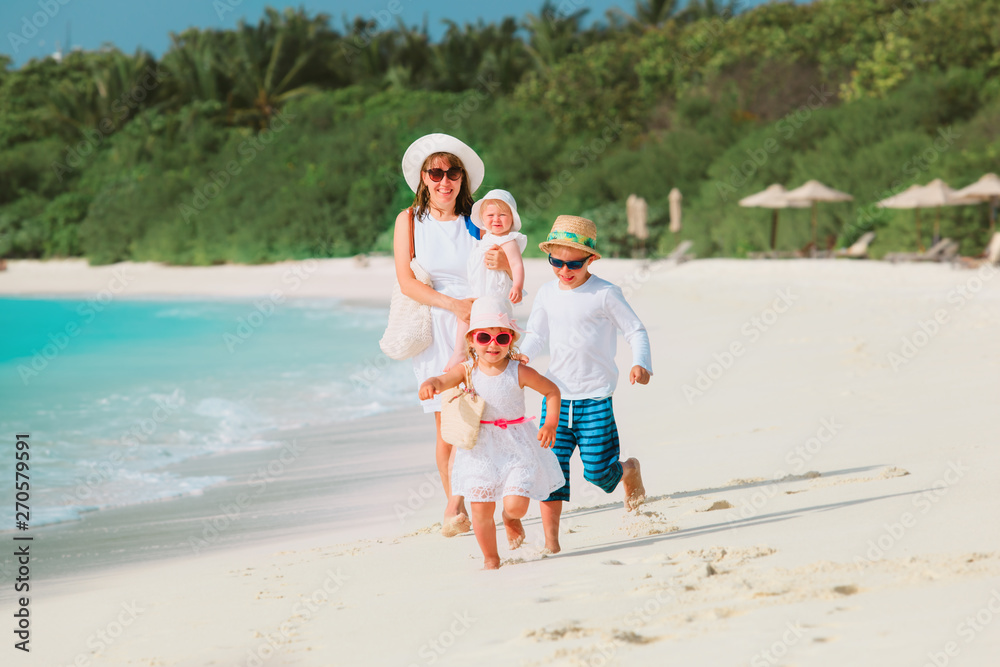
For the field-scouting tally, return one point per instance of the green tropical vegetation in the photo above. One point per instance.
(282, 139)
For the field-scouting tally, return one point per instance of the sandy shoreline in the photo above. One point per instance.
(819, 446)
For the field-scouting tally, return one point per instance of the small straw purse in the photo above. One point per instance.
(461, 411)
(409, 331)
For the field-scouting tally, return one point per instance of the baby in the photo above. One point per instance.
(496, 215)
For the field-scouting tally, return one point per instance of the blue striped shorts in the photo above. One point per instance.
(590, 425)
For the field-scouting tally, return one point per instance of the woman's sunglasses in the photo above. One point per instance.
(484, 338)
(572, 266)
(436, 175)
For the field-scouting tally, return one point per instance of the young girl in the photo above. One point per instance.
(495, 214)
(506, 463)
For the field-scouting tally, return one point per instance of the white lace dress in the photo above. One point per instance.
(487, 282)
(505, 461)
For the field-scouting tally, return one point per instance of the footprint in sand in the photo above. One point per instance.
(645, 523)
(718, 505)
(846, 590)
(568, 631)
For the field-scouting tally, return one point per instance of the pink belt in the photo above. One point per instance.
(502, 423)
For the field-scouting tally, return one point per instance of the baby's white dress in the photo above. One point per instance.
(486, 282)
(505, 461)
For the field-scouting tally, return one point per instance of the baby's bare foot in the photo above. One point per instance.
(491, 564)
(635, 492)
(515, 531)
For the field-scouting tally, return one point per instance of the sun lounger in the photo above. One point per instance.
(859, 249)
(944, 250)
(992, 252)
(680, 254)
(991, 255)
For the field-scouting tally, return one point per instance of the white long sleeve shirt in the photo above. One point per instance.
(580, 328)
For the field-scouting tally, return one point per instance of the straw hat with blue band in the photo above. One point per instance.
(419, 150)
(572, 231)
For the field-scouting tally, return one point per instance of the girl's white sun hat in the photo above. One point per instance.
(413, 158)
(492, 311)
(503, 196)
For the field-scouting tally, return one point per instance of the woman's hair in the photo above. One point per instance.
(470, 352)
(500, 204)
(421, 201)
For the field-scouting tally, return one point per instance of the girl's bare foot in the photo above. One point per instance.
(456, 525)
(635, 492)
(491, 563)
(515, 531)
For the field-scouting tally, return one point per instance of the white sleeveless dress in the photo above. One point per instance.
(505, 461)
(442, 248)
(487, 282)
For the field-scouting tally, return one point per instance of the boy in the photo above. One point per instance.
(578, 316)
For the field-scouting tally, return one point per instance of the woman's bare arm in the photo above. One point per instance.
(412, 287)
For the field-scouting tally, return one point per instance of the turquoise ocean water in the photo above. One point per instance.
(110, 392)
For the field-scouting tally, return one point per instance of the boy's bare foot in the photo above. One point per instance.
(457, 359)
(491, 564)
(635, 492)
(551, 511)
(515, 531)
(456, 525)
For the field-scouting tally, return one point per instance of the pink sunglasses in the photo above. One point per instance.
(484, 338)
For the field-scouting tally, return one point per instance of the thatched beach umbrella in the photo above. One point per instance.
(774, 197)
(936, 194)
(908, 198)
(814, 191)
(675, 210)
(985, 189)
(637, 214)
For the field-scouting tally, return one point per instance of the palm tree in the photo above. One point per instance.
(113, 88)
(410, 57)
(506, 57)
(650, 14)
(194, 64)
(283, 57)
(553, 35)
(708, 9)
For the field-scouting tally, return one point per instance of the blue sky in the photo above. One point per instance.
(129, 24)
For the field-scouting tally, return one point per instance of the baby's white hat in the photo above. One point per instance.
(492, 311)
(503, 196)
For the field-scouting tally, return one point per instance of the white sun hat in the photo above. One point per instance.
(503, 196)
(413, 158)
(492, 311)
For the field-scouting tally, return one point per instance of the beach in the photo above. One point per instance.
(818, 446)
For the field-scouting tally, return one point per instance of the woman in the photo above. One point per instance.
(443, 173)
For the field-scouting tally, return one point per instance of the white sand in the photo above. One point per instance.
(878, 544)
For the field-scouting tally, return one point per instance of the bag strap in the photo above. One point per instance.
(468, 378)
(413, 248)
(474, 232)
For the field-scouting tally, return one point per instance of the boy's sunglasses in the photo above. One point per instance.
(436, 175)
(484, 338)
(572, 266)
